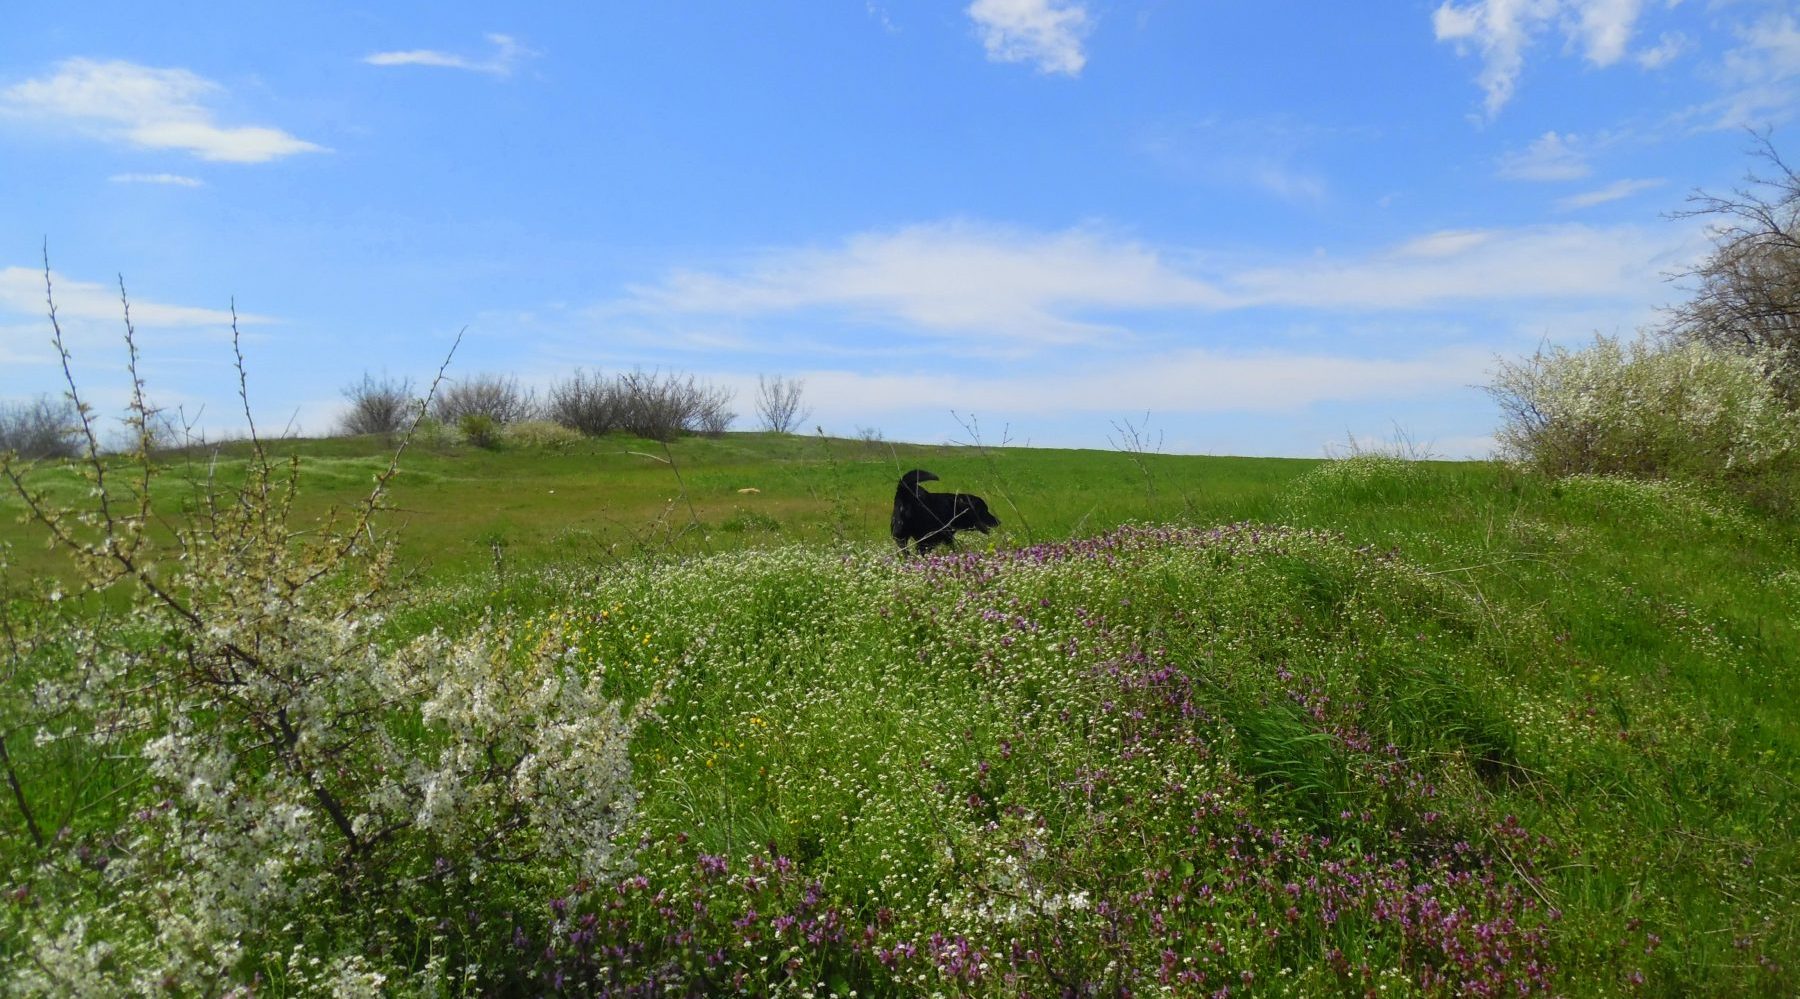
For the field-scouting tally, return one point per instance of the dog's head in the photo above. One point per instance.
(972, 513)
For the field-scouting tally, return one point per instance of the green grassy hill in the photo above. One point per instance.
(617, 496)
(1327, 727)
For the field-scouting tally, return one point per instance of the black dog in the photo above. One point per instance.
(932, 519)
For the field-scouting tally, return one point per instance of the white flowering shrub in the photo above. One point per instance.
(1650, 411)
(298, 774)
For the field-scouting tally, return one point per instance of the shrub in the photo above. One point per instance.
(778, 403)
(662, 406)
(42, 428)
(1637, 409)
(377, 407)
(496, 397)
(657, 405)
(711, 417)
(301, 787)
(479, 429)
(584, 403)
(540, 434)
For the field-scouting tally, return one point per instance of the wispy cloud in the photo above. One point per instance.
(1667, 49)
(1501, 31)
(1564, 263)
(996, 285)
(1047, 33)
(1273, 155)
(22, 292)
(1550, 157)
(1615, 191)
(1762, 73)
(1447, 243)
(879, 15)
(507, 54)
(147, 107)
(948, 277)
(1604, 28)
(1498, 33)
(170, 179)
(1180, 381)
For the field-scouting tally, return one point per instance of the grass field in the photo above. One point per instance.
(593, 499)
(1183, 724)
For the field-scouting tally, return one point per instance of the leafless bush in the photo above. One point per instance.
(662, 406)
(497, 397)
(586, 403)
(42, 428)
(1747, 291)
(377, 407)
(711, 417)
(778, 403)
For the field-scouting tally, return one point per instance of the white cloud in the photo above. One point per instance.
(998, 286)
(1615, 191)
(1178, 382)
(1667, 49)
(171, 179)
(879, 15)
(1550, 157)
(22, 291)
(1605, 26)
(1266, 154)
(1447, 243)
(1048, 33)
(1763, 73)
(507, 54)
(22, 345)
(146, 107)
(1502, 30)
(950, 277)
(1569, 263)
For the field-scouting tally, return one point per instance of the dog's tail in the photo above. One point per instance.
(910, 481)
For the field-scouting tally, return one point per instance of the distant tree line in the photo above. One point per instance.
(660, 405)
(654, 404)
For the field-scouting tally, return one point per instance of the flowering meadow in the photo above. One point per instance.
(1416, 729)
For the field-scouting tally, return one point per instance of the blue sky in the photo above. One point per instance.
(1250, 228)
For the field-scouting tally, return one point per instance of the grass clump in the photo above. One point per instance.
(542, 434)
